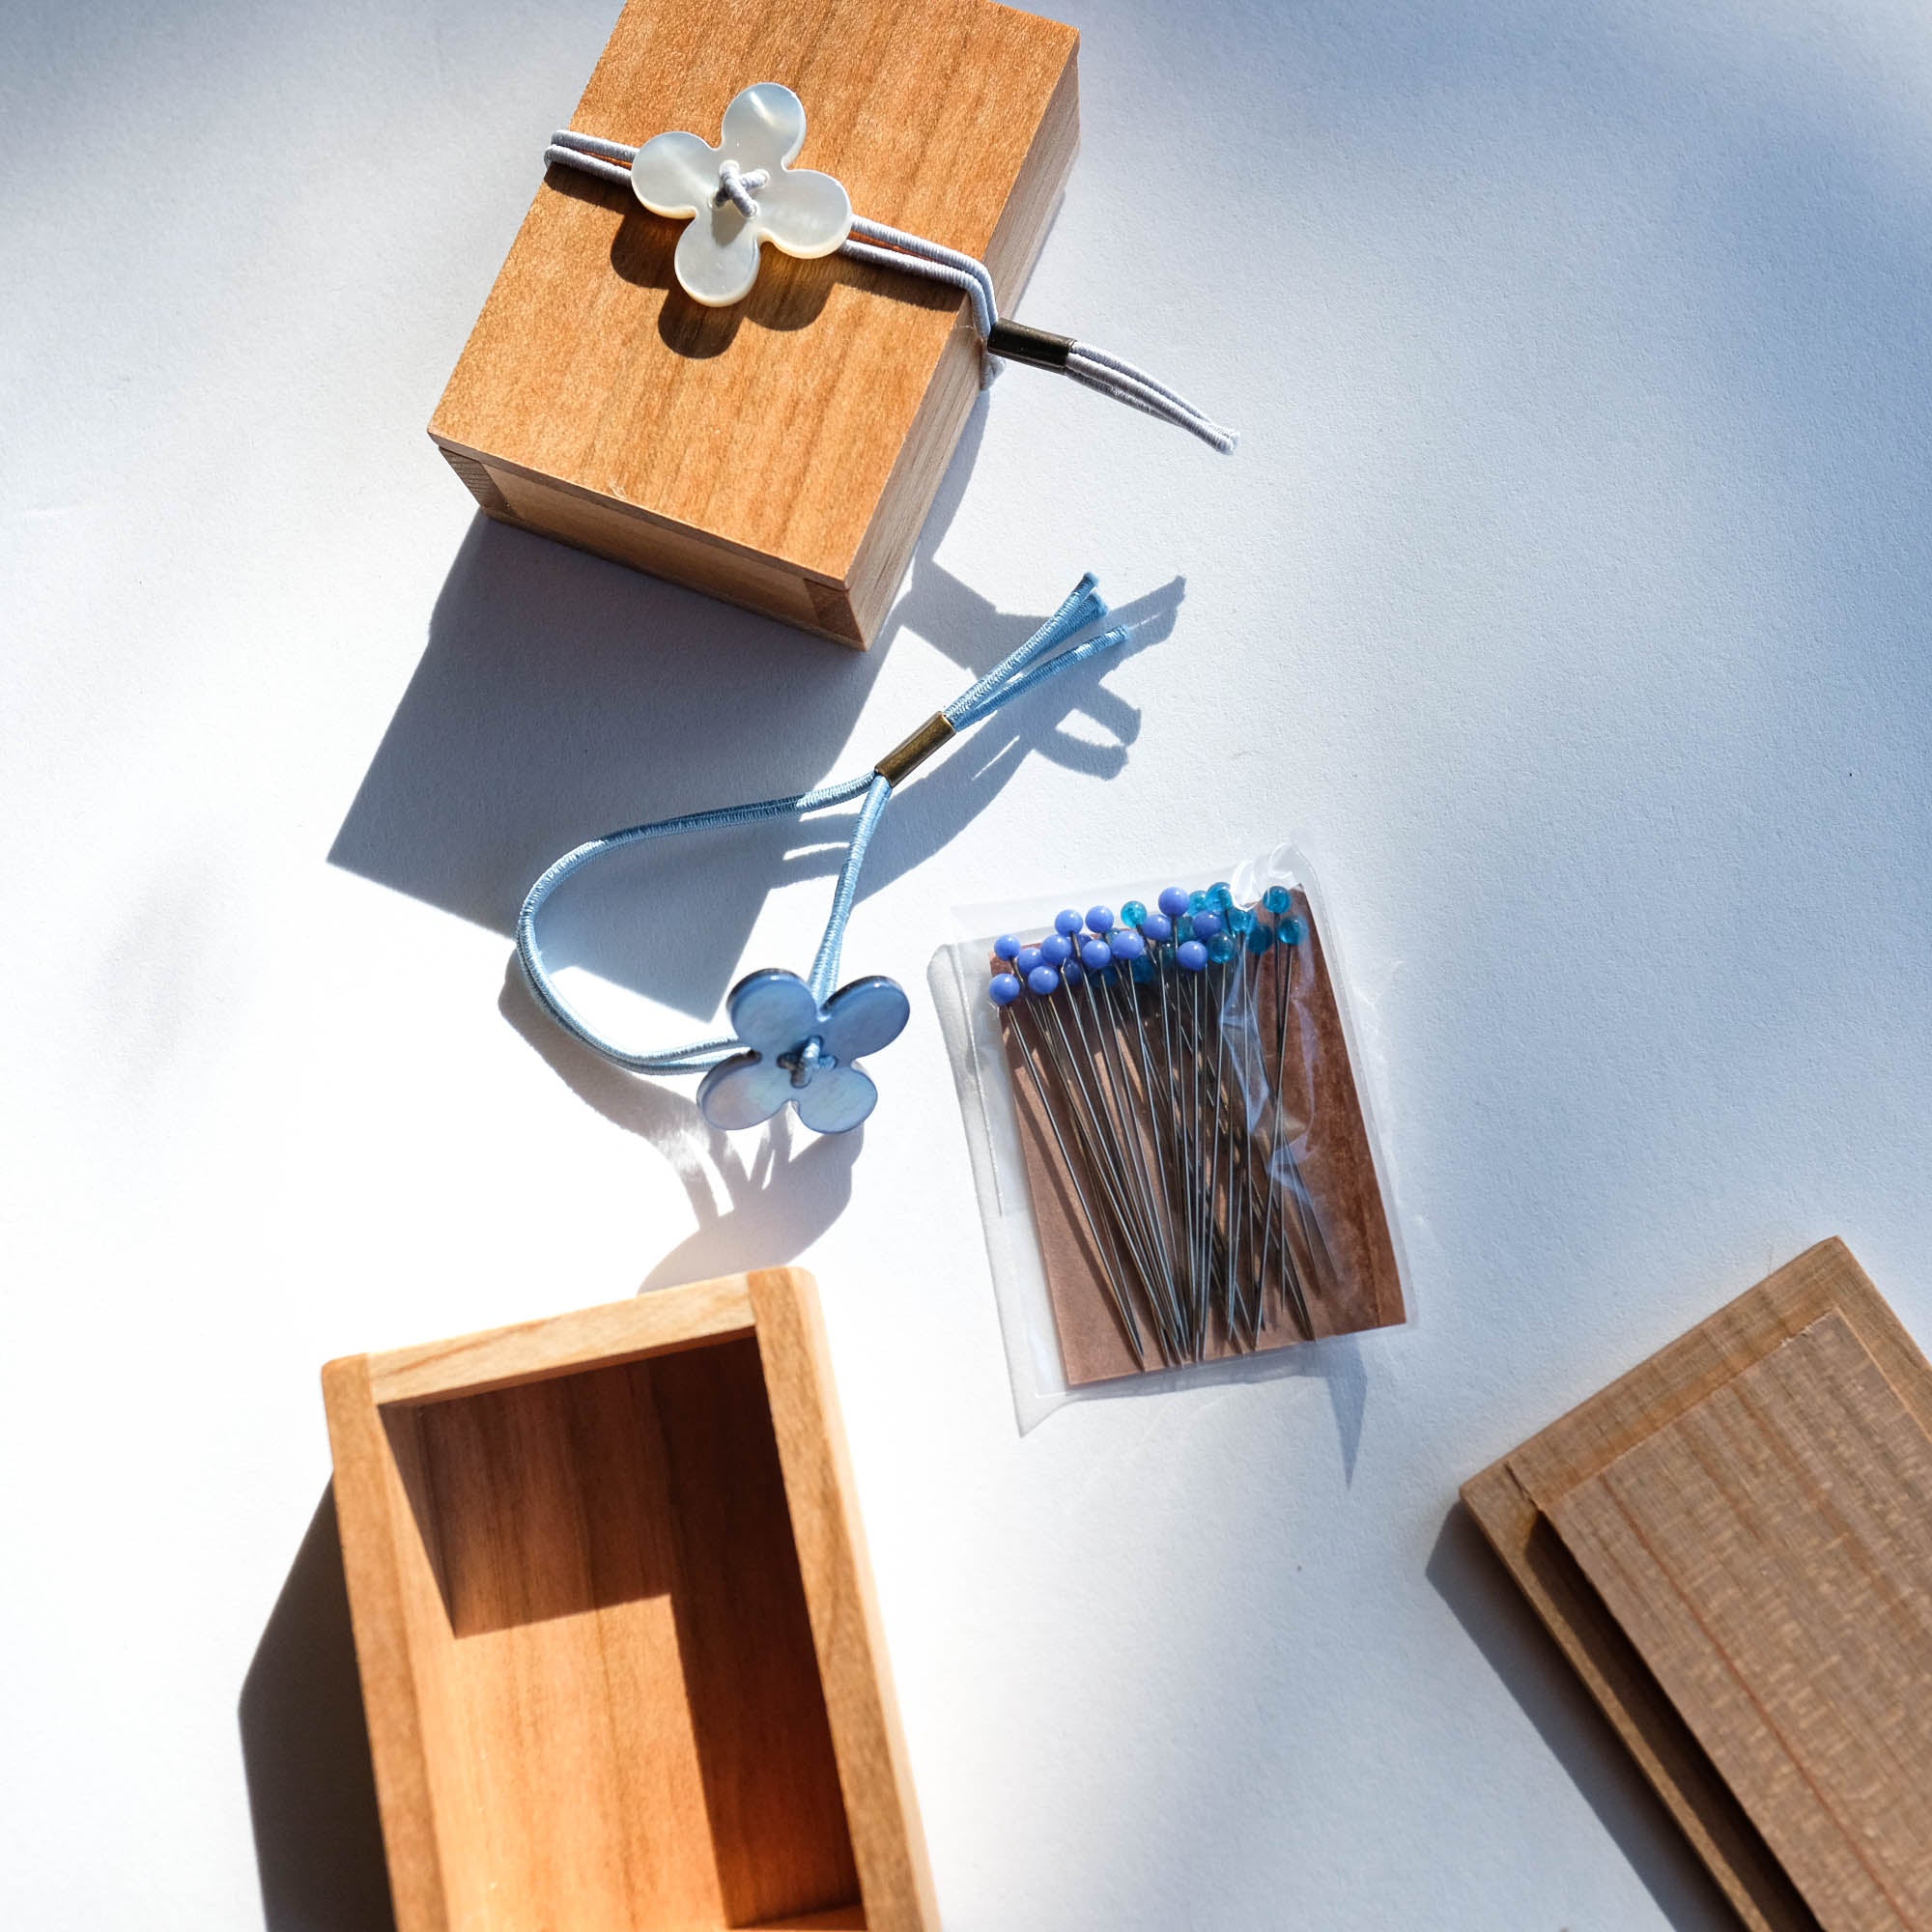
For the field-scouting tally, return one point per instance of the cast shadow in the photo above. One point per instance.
(934, 807)
(789, 293)
(559, 696)
(776, 1202)
(1346, 1375)
(1335, 1362)
(305, 1754)
(1466, 1576)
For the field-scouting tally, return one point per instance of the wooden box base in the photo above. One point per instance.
(619, 1658)
(783, 453)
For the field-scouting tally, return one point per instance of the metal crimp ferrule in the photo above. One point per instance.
(1019, 343)
(909, 754)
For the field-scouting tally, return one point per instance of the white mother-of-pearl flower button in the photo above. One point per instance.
(796, 210)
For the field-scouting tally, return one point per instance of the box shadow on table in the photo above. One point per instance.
(560, 696)
(1465, 1574)
(305, 1754)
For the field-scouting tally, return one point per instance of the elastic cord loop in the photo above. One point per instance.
(880, 246)
(825, 966)
(1038, 658)
(700, 1054)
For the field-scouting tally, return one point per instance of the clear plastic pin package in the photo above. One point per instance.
(1172, 1142)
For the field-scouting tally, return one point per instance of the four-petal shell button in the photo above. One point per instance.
(741, 193)
(802, 1052)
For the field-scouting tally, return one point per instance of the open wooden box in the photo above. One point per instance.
(620, 1659)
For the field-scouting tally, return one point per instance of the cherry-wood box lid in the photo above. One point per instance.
(783, 452)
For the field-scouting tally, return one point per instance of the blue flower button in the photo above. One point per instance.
(799, 1051)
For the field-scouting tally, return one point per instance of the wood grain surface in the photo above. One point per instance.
(705, 1311)
(620, 1660)
(782, 453)
(875, 1772)
(1336, 1162)
(1770, 1554)
(1518, 1500)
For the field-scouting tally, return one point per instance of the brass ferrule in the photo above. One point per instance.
(909, 754)
(1019, 343)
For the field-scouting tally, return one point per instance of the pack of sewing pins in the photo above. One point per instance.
(1201, 1173)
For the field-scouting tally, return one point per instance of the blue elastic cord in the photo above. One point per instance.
(1038, 658)
(1083, 607)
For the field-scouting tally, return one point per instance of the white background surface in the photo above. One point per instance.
(1568, 595)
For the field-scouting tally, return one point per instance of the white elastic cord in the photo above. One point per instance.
(740, 188)
(931, 259)
(880, 246)
(1114, 376)
(608, 161)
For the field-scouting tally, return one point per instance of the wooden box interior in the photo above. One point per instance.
(589, 1663)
